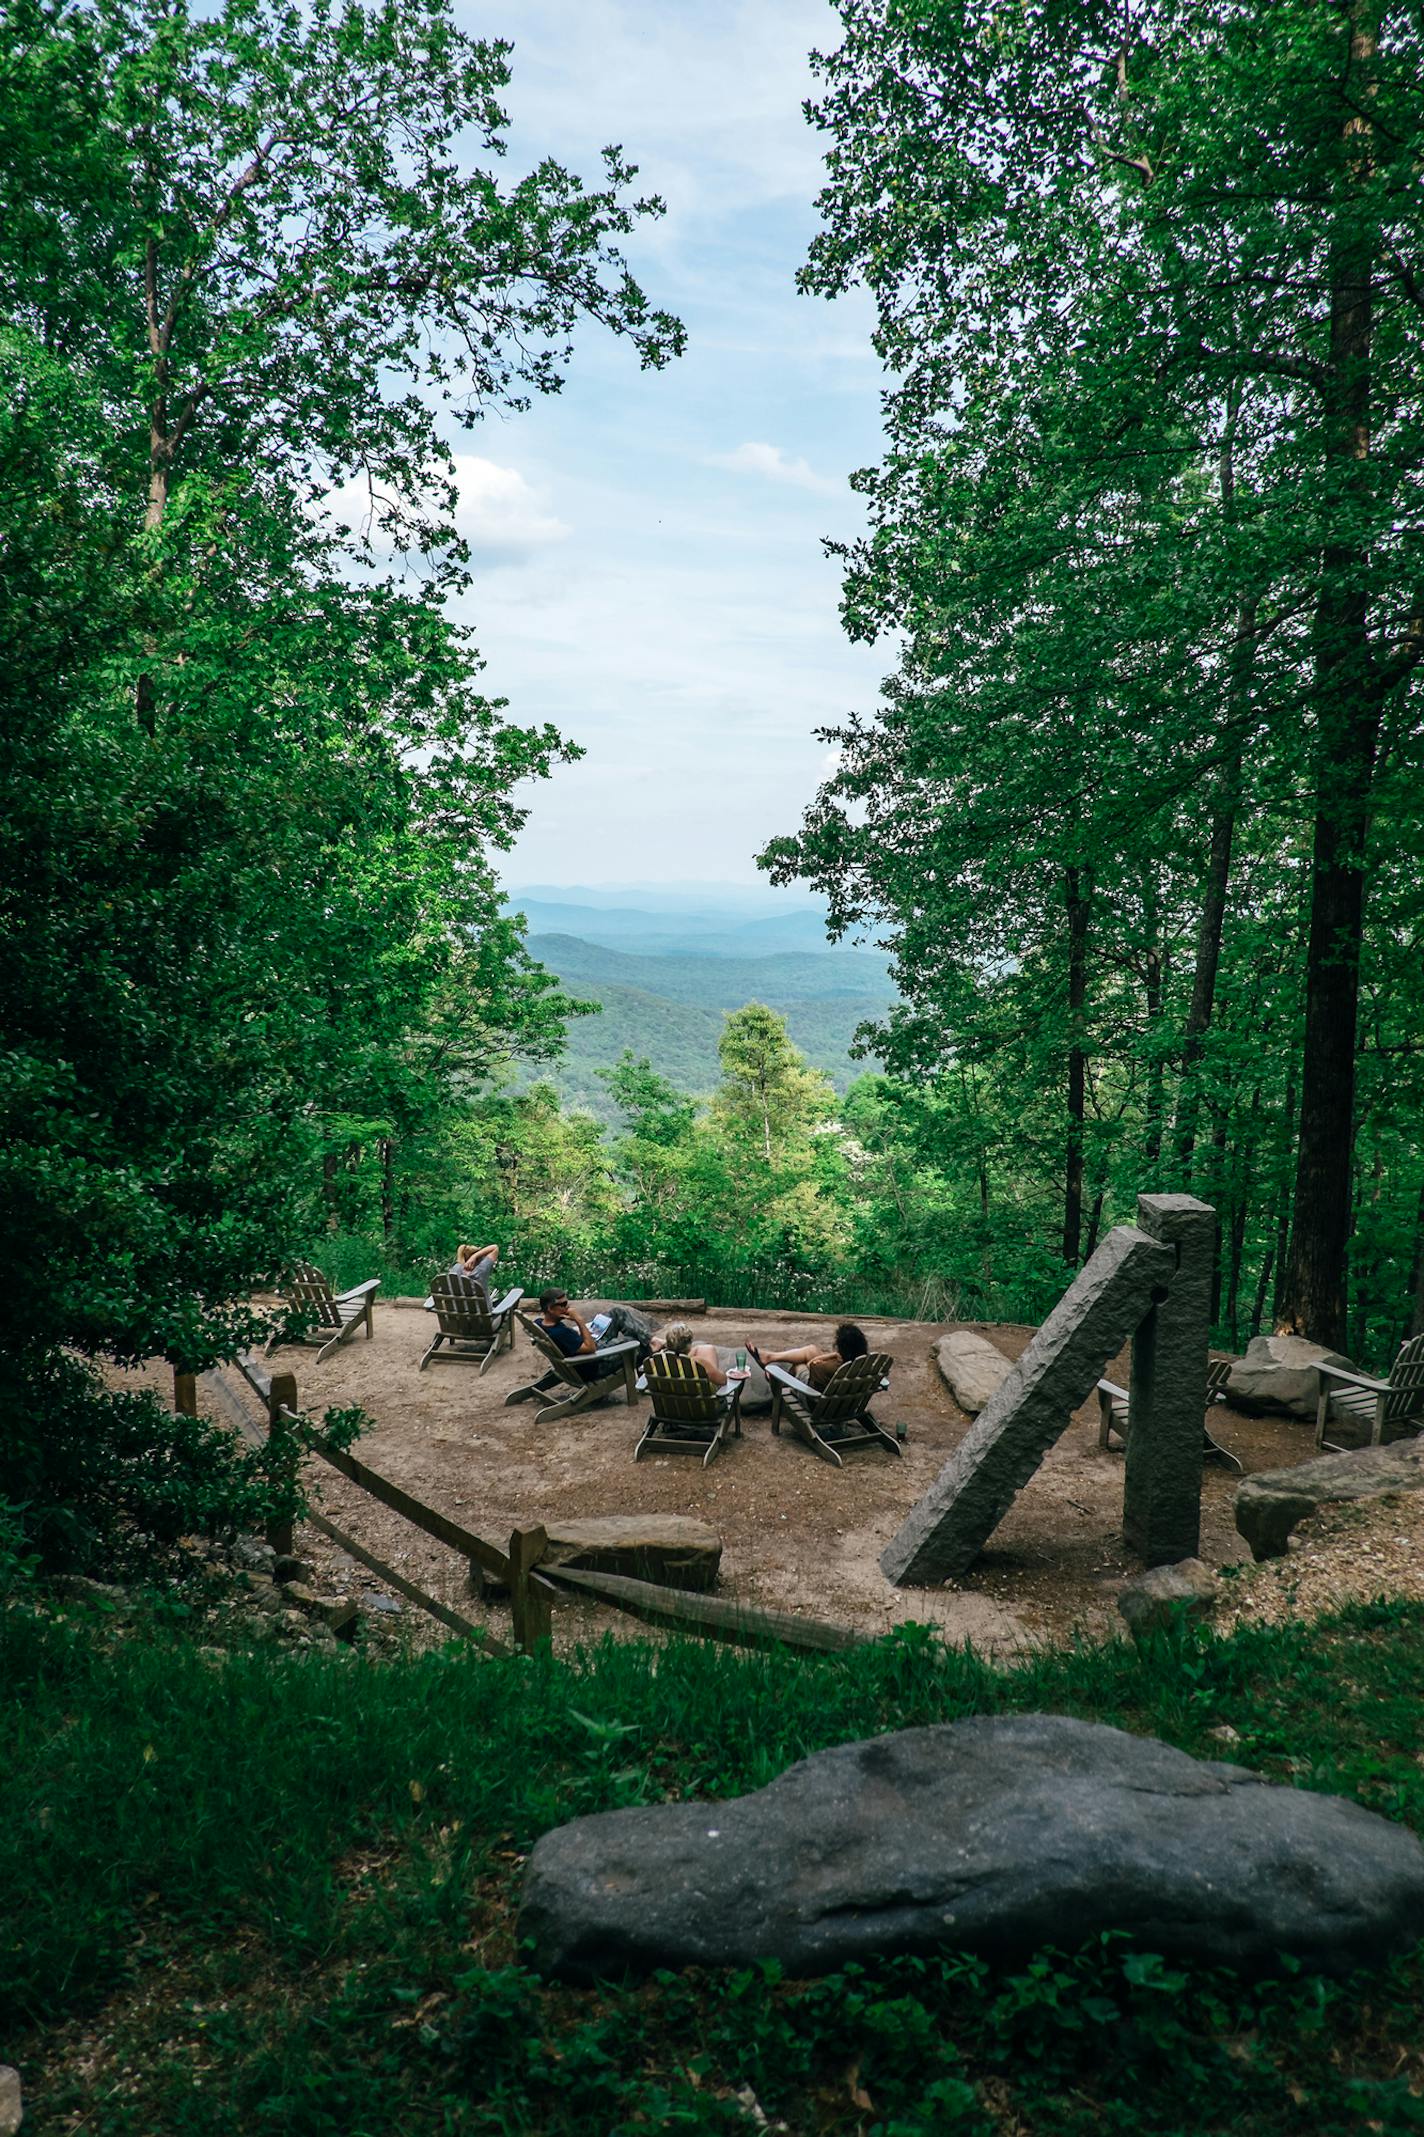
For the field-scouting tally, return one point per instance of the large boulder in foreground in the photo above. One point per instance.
(1270, 1504)
(1278, 1373)
(996, 1835)
(972, 1368)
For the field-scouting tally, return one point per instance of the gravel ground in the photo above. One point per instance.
(1352, 1553)
(798, 1535)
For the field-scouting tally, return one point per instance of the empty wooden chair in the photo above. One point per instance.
(689, 1415)
(585, 1393)
(1113, 1415)
(834, 1420)
(471, 1329)
(1375, 1410)
(328, 1317)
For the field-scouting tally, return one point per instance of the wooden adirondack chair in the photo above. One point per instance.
(834, 1420)
(689, 1414)
(1113, 1417)
(583, 1394)
(1386, 1409)
(475, 1331)
(331, 1316)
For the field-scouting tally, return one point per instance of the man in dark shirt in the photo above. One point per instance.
(577, 1338)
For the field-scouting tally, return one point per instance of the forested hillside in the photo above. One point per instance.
(671, 1010)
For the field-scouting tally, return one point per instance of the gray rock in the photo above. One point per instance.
(12, 2111)
(387, 1605)
(997, 1835)
(972, 1368)
(78, 1588)
(673, 1549)
(334, 1611)
(1166, 1594)
(1270, 1504)
(252, 1552)
(287, 1567)
(944, 1532)
(1278, 1374)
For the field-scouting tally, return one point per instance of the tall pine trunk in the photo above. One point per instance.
(1348, 711)
(1077, 891)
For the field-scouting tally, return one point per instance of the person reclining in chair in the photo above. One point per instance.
(678, 1341)
(810, 1363)
(478, 1262)
(583, 1340)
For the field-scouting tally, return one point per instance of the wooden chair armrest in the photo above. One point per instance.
(1352, 1378)
(789, 1380)
(358, 1291)
(510, 1300)
(1110, 1387)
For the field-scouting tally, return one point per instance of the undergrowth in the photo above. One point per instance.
(248, 1892)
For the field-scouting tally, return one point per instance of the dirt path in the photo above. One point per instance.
(798, 1535)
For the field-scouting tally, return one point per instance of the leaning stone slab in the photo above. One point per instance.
(946, 1530)
(997, 1835)
(1278, 1374)
(12, 2112)
(1270, 1504)
(973, 1368)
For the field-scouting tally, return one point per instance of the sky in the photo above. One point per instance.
(648, 564)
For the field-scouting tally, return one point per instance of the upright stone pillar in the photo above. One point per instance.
(1161, 1500)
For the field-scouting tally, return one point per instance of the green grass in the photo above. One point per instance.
(273, 1893)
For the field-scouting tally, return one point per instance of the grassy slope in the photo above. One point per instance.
(272, 1893)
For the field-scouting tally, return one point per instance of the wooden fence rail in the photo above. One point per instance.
(534, 1587)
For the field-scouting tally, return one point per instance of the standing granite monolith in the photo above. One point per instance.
(946, 1529)
(1161, 1496)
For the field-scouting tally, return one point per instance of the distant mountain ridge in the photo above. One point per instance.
(687, 934)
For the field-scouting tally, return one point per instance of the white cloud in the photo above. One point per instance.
(770, 461)
(498, 512)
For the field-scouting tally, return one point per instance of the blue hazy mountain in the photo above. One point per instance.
(669, 964)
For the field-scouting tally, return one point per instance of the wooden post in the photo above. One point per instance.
(185, 1393)
(532, 1610)
(281, 1395)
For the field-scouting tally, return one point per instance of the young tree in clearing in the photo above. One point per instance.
(1150, 277)
(768, 1099)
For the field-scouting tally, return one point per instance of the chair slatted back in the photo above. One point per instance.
(309, 1290)
(850, 1388)
(462, 1309)
(1218, 1372)
(682, 1390)
(1406, 1385)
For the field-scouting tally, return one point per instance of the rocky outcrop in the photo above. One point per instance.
(1272, 1503)
(1166, 1595)
(672, 1549)
(1278, 1374)
(997, 1835)
(973, 1368)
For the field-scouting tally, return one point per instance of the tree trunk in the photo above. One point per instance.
(1077, 894)
(1416, 1317)
(328, 1189)
(1348, 710)
(1152, 994)
(1258, 1304)
(388, 1190)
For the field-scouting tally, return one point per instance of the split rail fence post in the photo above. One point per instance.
(530, 1604)
(282, 1395)
(185, 1394)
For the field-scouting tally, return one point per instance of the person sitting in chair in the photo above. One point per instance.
(810, 1363)
(581, 1339)
(678, 1341)
(478, 1262)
